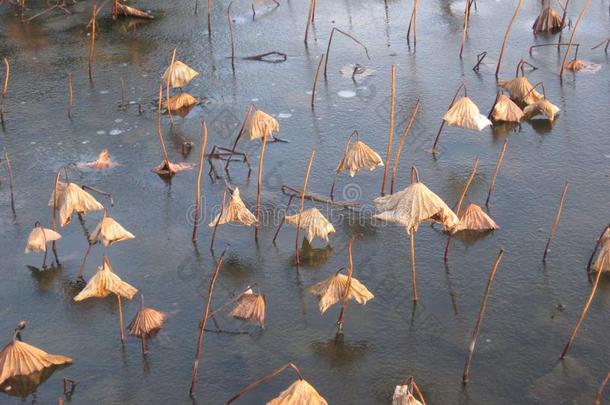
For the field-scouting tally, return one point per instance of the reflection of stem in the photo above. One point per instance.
(477, 327)
(264, 380)
(510, 24)
(203, 321)
(204, 143)
(390, 131)
(303, 191)
(583, 314)
(210, 18)
(492, 185)
(403, 138)
(556, 221)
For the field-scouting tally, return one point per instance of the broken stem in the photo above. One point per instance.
(477, 327)
(555, 222)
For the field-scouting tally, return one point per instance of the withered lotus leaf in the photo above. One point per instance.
(146, 322)
(331, 290)
(548, 21)
(21, 359)
(300, 392)
(169, 168)
(180, 101)
(235, 212)
(38, 239)
(414, 205)
(464, 113)
(108, 231)
(250, 308)
(104, 283)
(474, 219)
(180, 74)
(259, 124)
(132, 12)
(103, 162)
(313, 223)
(521, 90)
(542, 107)
(357, 157)
(506, 110)
(575, 65)
(72, 198)
(403, 396)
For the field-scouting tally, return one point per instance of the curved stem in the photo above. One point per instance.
(330, 40)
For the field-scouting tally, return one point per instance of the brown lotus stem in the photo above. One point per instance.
(277, 232)
(309, 19)
(203, 321)
(44, 236)
(330, 40)
(168, 86)
(510, 24)
(222, 208)
(465, 28)
(438, 134)
(159, 131)
(81, 271)
(414, 175)
(563, 20)
(121, 326)
(337, 172)
(605, 41)
(264, 380)
(350, 271)
(259, 186)
(101, 192)
(7, 76)
(313, 14)
(303, 191)
(600, 391)
(70, 95)
(493, 106)
(315, 81)
(480, 58)
(249, 111)
(458, 206)
(316, 198)
(572, 34)
(413, 270)
(477, 327)
(492, 185)
(196, 7)
(597, 245)
(210, 18)
(583, 314)
(388, 152)
(412, 25)
(555, 222)
(55, 203)
(231, 36)
(9, 168)
(401, 143)
(204, 142)
(92, 45)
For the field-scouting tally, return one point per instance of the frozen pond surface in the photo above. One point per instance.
(385, 341)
